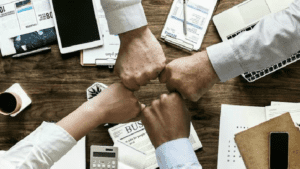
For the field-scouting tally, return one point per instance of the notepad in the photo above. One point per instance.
(199, 13)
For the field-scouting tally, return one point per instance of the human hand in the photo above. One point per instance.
(167, 119)
(191, 76)
(116, 104)
(140, 58)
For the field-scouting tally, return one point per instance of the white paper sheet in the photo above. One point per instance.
(199, 13)
(235, 119)
(74, 159)
(275, 103)
(130, 158)
(17, 18)
(292, 108)
(111, 45)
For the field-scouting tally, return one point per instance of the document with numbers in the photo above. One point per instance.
(19, 17)
(199, 13)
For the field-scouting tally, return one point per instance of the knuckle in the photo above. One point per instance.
(146, 112)
(155, 103)
(174, 96)
(163, 97)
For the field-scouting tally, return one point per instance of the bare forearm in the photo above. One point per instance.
(81, 121)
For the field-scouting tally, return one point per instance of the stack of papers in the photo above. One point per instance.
(199, 13)
(107, 54)
(235, 119)
(134, 135)
(19, 17)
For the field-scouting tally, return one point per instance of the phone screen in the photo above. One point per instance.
(76, 22)
(279, 150)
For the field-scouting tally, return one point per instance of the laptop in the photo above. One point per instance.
(244, 17)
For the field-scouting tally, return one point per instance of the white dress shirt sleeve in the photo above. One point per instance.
(274, 39)
(177, 154)
(123, 15)
(39, 150)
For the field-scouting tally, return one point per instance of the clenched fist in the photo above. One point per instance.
(190, 76)
(167, 119)
(140, 58)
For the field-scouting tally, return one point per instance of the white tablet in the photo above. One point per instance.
(76, 25)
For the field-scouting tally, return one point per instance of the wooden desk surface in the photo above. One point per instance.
(57, 85)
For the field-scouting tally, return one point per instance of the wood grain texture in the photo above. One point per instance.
(57, 85)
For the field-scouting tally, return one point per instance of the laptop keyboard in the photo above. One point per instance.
(255, 75)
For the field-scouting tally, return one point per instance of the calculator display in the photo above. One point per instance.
(104, 154)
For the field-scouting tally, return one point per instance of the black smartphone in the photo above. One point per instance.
(279, 150)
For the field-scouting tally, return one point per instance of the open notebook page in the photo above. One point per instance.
(235, 119)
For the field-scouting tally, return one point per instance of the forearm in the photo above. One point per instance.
(274, 39)
(81, 121)
(124, 15)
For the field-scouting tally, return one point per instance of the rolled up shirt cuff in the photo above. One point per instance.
(126, 19)
(223, 60)
(176, 153)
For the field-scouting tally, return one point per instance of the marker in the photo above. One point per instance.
(32, 52)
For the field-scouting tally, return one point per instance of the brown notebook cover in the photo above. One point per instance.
(253, 143)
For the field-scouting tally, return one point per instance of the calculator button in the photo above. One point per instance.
(108, 166)
(113, 162)
(99, 165)
(103, 165)
(94, 161)
(113, 167)
(94, 165)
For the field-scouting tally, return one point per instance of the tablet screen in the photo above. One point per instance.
(76, 22)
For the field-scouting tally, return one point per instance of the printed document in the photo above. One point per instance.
(199, 13)
(292, 108)
(107, 53)
(134, 135)
(19, 17)
(235, 119)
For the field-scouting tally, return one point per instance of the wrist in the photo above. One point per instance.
(96, 113)
(134, 34)
(209, 67)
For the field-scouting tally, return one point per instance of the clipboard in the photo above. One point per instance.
(172, 38)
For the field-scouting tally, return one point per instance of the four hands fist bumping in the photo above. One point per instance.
(191, 76)
(167, 119)
(140, 58)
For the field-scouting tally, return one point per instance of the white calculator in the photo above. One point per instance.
(104, 157)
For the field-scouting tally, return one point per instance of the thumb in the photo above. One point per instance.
(163, 76)
(143, 106)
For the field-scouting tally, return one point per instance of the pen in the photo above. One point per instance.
(184, 16)
(32, 52)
